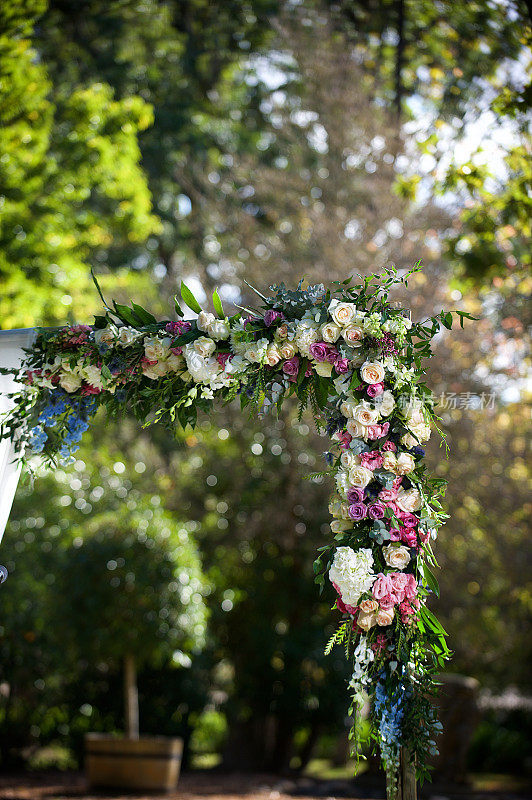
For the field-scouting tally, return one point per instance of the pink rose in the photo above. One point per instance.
(395, 535)
(409, 537)
(376, 510)
(355, 495)
(341, 365)
(373, 432)
(411, 587)
(291, 367)
(393, 505)
(388, 601)
(372, 460)
(409, 520)
(382, 586)
(343, 608)
(387, 495)
(375, 389)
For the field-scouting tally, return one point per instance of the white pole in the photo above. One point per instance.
(12, 344)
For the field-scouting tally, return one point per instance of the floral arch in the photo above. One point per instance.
(357, 360)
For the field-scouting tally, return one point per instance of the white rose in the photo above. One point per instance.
(92, 375)
(366, 620)
(155, 371)
(127, 336)
(408, 500)
(70, 382)
(106, 335)
(287, 350)
(356, 429)
(204, 346)
(364, 414)
(342, 313)
(360, 476)
(204, 320)
(353, 335)
(156, 349)
(405, 463)
(234, 365)
(372, 372)
(421, 431)
(396, 557)
(273, 355)
(385, 616)
(330, 332)
(408, 440)
(323, 369)
(218, 329)
(348, 459)
(385, 403)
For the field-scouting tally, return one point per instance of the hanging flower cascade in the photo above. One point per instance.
(356, 360)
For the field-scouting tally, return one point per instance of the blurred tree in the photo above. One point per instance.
(70, 178)
(84, 593)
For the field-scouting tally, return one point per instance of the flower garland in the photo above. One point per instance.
(357, 361)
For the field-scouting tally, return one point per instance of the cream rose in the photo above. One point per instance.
(218, 329)
(287, 350)
(342, 313)
(409, 500)
(205, 318)
(175, 363)
(405, 463)
(273, 355)
(70, 382)
(372, 372)
(396, 557)
(282, 332)
(365, 414)
(360, 476)
(355, 428)
(155, 371)
(353, 335)
(348, 459)
(330, 332)
(366, 621)
(126, 335)
(367, 606)
(204, 346)
(385, 616)
(156, 349)
(389, 461)
(106, 335)
(348, 408)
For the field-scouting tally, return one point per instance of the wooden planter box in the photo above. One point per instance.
(151, 762)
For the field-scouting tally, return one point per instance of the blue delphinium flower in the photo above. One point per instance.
(38, 437)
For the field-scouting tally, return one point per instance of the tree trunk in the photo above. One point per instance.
(131, 698)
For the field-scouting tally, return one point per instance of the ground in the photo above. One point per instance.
(213, 785)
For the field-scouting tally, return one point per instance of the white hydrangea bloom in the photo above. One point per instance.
(352, 573)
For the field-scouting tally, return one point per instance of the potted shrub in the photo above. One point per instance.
(133, 590)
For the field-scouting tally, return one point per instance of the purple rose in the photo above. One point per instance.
(376, 510)
(374, 389)
(270, 316)
(358, 511)
(319, 351)
(355, 495)
(291, 366)
(341, 365)
(332, 354)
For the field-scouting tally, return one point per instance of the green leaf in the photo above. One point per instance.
(217, 303)
(430, 580)
(143, 315)
(177, 307)
(126, 315)
(189, 299)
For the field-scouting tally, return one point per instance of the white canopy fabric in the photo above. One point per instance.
(11, 355)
